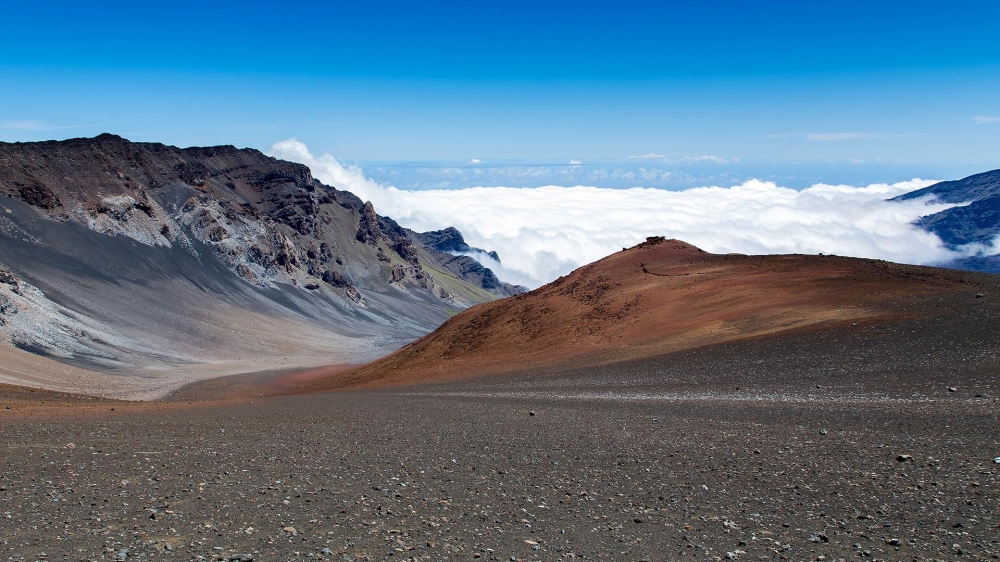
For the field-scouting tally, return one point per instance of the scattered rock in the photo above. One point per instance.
(531, 413)
(398, 273)
(952, 389)
(240, 558)
(905, 458)
(818, 537)
(334, 278)
(121, 555)
(7, 277)
(290, 530)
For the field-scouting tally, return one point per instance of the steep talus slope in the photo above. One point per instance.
(659, 297)
(149, 260)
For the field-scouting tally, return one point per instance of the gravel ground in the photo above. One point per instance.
(872, 442)
(388, 475)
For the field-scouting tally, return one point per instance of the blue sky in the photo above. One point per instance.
(712, 92)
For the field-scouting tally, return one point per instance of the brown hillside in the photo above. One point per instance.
(655, 298)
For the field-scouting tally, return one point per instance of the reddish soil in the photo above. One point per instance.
(659, 297)
(255, 385)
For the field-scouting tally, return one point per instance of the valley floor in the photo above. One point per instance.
(825, 451)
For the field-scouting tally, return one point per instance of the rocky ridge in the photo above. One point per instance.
(269, 220)
(134, 239)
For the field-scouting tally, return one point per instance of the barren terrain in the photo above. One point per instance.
(870, 439)
(780, 468)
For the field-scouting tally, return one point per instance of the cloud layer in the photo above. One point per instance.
(541, 233)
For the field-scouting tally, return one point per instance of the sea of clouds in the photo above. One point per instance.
(543, 232)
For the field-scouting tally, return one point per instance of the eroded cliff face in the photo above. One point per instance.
(235, 224)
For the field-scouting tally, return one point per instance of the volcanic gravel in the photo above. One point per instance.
(868, 442)
(389, 475)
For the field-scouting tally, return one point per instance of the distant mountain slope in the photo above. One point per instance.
(450, 241)
(974, 187)
(656, 298)
(978, 222)
(141, 257)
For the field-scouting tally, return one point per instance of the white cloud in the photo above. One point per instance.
(650, 155)
(575, 162)
(985, 119)
(839, 136)
(852, 136)
(23, 125)
(475, 161)
(541, 233)
(708, 158)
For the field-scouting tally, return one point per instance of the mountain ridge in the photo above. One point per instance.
(227, 251)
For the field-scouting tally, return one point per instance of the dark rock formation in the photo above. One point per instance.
(334, 278)
(368, 231)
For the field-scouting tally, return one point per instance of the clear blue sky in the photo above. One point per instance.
(899, 88)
